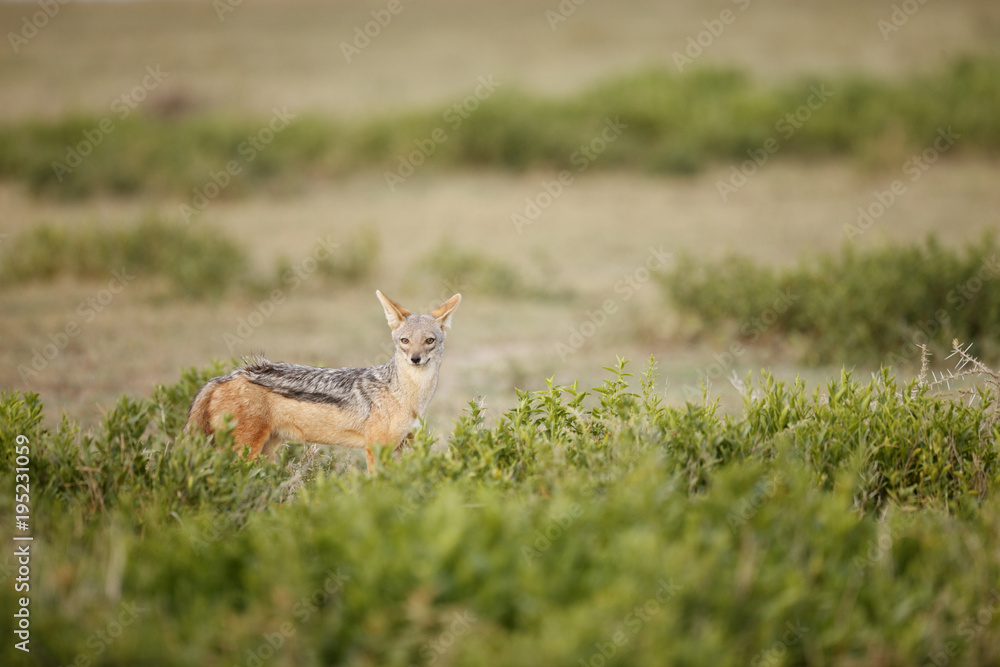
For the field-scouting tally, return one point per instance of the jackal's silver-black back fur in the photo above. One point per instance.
(337, 386)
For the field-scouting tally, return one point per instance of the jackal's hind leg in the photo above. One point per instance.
(255, 435)
(270, 448)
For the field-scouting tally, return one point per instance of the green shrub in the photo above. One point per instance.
(355, 261)
(195, 262)
(480, 272)
(137, 458)
(852, 525)
(192, 261)
(871, 306)
(658, 120)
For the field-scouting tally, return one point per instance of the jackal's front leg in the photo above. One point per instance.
(370, 454)
(403, 444)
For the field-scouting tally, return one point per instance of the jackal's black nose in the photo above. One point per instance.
(415, 358)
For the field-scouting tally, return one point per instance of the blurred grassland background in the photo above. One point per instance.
(814, 194)
(449, 226)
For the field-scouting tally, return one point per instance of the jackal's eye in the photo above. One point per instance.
(404, 341)
(429, 341)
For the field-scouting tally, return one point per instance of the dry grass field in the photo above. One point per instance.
(288, 53)
(596, 233)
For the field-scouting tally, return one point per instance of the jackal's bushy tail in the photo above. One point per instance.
(198, 417)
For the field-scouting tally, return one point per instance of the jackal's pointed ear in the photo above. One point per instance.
(394, 312)
(443, 312)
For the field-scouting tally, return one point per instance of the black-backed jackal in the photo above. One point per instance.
(351, 407)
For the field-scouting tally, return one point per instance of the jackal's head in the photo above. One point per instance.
(419, 339)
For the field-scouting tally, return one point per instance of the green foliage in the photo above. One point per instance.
(355, 261)
(482, 273)
(858, 524)
(669, 122)
(195, 262)
(872, 305)
(191, 261)
(159, 155)
(137, 460)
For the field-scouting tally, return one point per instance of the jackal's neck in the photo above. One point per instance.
(416, 384)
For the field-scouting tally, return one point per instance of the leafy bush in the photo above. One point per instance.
(194, 261)
(482, 273)
(654, 119)
(845, 526)
(874, 305)
(356, 261)
(135, 460)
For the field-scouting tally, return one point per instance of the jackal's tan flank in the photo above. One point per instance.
(351, 407)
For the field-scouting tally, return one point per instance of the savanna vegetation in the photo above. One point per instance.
(852, 523)
(189, 261)
(676, 123)
(858, 304)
